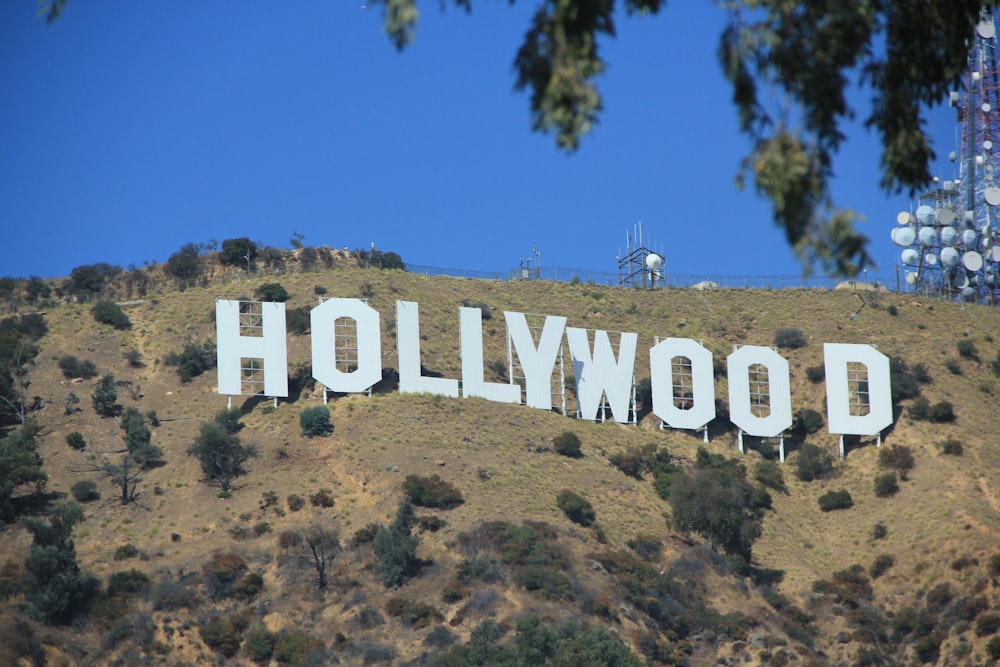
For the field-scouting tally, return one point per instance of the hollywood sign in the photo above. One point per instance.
(601, 374)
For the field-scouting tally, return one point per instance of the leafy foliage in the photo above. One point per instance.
(192, 361)
(271, 292)
(716, 501)
(902, 379)
(91, 278)
(576, 507)
(20, 466)
(790, 338)
(85, 491)
(235, 251)
(898, 458)
(77, 368)
(396, 549)
(105, 397)
(886, 485)
(315, 421)
(220, 452)
(769, 474)
(76, 441)
(184, 264)
(811, 463)
(432, 491)
(108, 312)
(567, 443)
(138, 439)
(836, 500)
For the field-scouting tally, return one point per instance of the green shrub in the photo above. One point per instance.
(259, 644)
(322, 498)
(836, 500)
(105, 397)
(432, 491)
(921, 375)
(902, 380)
(808, 421)
(881, 565)
(993, 565)
(812, 463)
(987, 624)
(315, 421)
(249, 587)
(294, 648)
(126, 551)
(952, 447)
(816, 374)
(77, 368)
(396, 549)
(920, 409)
(76, 441)
(576, 507)
(319, 290)
(235, 252)
(414, 614)
(967, 349)
(298, 320)
(879, 531)
(184, 264)
(221, 635)
(271, 292)
(295, 502)
(568, 444)
(886, 485)
(892, 310)
(647, 547)
(954, 366)
(134, 358)
(896, 457)
(192, 361)
(127, 582)
(790, 338)
(108, 312)
(769, 474)
(993, 648)
(85, 491)
(942, 412)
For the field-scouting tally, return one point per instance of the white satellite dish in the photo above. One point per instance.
(910, 257)
(969, 237)
(996, 253)
(925, 214)
(949, 236)
(968, 293)
(991, 279)
(949, 257)
(988, 145)
(927, 236)
(986, 29)
(911, 278)
(930, 259)
(972, 260)
(961, 281)
(986, 107)
(992, 195)
(653, 261)
(946, 215)
(976, 76)
(904, 217)
(903, 236)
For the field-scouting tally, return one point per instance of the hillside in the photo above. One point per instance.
(667, 595)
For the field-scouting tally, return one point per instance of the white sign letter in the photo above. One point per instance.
(537, 363)
(661, 358)
(369, 345)
(836, 356)
(408, 347)
(269, 346)
(602, 373)
(473, 384)
(779, 395)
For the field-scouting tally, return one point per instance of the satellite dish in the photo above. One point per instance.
(925, 214)
(969, 237)
(988, 145)
(976, 76)
(972, 260)
(961, 281)
(980, 160)
(986, 29)
(946, 215)
(930, 259)
(991, 279)
(949, 257)
(910, 257)
(904, 218)
(927, 236)
(969, 216)
(996, 253)
(952, 156)
(949, 235)
(992, 195)
(986, 107)
(911, 278)
(968, 293)
(653, 261)
(903, 236)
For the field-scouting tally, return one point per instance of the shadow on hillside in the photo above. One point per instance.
(252, 402)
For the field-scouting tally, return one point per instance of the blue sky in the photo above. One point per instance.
(129, 129)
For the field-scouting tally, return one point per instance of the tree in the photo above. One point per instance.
(20, 466)
(106, 396)
(396, 549)
(221, 454)
(810, 51)
(323, 544)
(238, 252)
(138, 439)
(184, 264)
(55, 588)
(716, 501)
(271, 292)
(125, 477)
(315, 421)
(107, 312)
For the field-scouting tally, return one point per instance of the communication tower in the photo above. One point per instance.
(639, 265)
(950, 242)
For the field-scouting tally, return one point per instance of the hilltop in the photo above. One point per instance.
(924, 592)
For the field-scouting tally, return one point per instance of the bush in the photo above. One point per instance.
(396, 549)
(235, 251)
(987, 624)
(322, 498)
(298, 320)
(942, 412)
(952, 447)
(259, 643)
(812, 463)
(77, 368)
(315, 421)
(76, 441)
(85, 491)
(647, 547)
(836, 500)
(568, 444)
(432, 491)
(920, 409)
(886, 485)
(221, 635)
(221, 454)
(892, 310)
(295, 502)
(770, 475)
(576, 507)
(790, 338)
(134, 359)
(881, 565)
(126, 551)
(967, 349)
(879, 531)
(993, 648)
(921, 375)
(105, 397)
(808, 421)
(954, 366)
(897, 457)
(184, 264)
(192, 361)
(815, 374)
(271, 292)
(107, 312)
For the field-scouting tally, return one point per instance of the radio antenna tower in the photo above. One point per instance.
(949, 243)
(639, 265)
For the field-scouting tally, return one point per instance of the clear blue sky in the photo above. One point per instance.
(131, 128)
